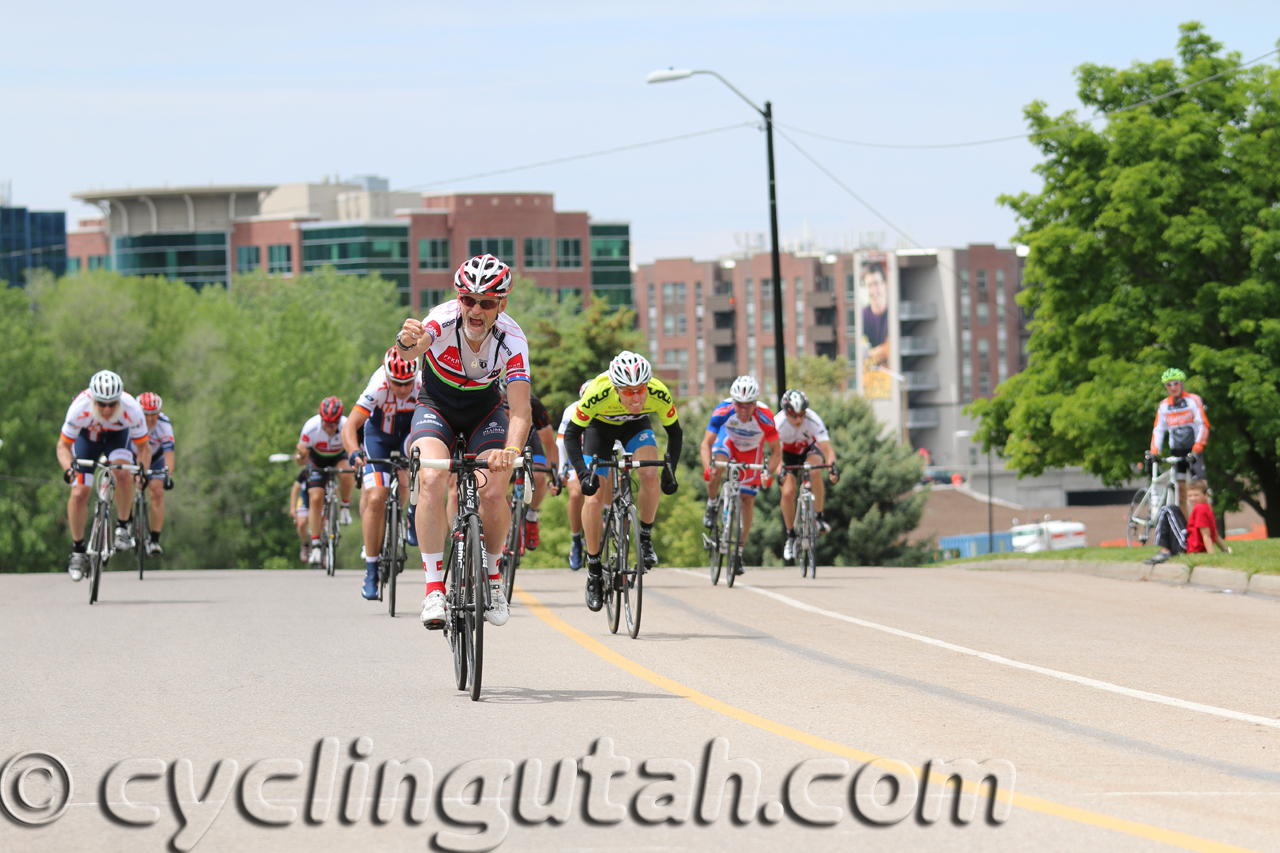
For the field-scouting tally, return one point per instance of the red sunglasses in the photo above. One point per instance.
(485, 304)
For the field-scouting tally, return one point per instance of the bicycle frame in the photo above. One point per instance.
(620, 553)
(1146, 505)
(806, 519)
(101, 545)
(726, 535)
(393, 553)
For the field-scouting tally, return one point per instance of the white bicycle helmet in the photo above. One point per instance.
(483, 275)
(744, 389)
(795, 402)
(105, 387)
(629, 368)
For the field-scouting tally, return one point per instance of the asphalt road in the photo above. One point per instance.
(1136, 716)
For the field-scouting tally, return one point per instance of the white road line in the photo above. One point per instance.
(1187, 794)
(987, 656)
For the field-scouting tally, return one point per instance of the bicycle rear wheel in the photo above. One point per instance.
(810, 541)
(608, 559)
(331, 532)
(1138, 530)
(477, 582)
(632, 585)
(511, 553)
(729, 542)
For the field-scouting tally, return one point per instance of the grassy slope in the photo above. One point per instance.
(1251, 555)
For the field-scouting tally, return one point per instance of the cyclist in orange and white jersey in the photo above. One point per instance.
(160, 436)
(1181, 417)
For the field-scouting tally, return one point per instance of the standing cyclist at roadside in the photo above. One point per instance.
(804, 440)
(160, 436)
(615, 407)
(320, 447)
(739, 430)
(466, 344)
(1181, 416)
(385, 412)
(102, 420)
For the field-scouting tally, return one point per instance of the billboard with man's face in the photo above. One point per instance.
(873, 316)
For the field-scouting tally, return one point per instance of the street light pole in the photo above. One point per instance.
(779, 339)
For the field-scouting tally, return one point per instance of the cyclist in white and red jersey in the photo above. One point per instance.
(102, 420)
(320, 447)
(383, 414)
(804, 440)
(1181, 417)
(466, 345)
(740, 430)
(159, 476)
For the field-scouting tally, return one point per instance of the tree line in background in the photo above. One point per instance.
(1155, 243)
(241, 369)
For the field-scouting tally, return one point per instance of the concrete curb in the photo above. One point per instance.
(1165, 572)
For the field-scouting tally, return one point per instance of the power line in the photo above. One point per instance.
(588, 155)
(1047, 130)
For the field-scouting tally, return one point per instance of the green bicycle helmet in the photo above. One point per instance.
(1173, 374)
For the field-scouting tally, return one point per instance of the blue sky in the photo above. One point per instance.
(143, 93)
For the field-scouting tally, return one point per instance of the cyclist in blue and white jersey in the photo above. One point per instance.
(466, 345)
(102, 420)
(384, 413)
(739, 430)
(320, 447)
(160, 436)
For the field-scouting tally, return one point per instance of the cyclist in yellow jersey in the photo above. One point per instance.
(615, 406)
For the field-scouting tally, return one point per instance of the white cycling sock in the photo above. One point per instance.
(531, 515)
(493, 562)
(433, 566)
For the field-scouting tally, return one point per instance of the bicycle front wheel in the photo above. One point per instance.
(811, 542)
(729, 542)
(476, 584)
(454, 624)
(98, 547)
(331, 533)
(1138, 530)
(612, 544)
(392, 542)
(714, 555)
(632, 586)
(141, 527)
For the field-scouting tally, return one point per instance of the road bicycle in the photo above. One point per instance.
(331, 531)
(806, 521)
(513, 550)
(1145, 508)
(395, 542)
(466, 580)
(726, 531)
(101, 545)
(140, 526)
(620, 554)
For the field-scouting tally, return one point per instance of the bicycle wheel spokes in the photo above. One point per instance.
(633, 578)
(731, 539)
(141, 526)
(391, 544)
(811, 540)
(511, 553)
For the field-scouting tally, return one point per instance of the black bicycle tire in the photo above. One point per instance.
(140, 525)
(735, 521)
(478, 581)
(391, 537)
(331, 531)
(811, 540)
(633, 577)
(511, 553)
(97, 548)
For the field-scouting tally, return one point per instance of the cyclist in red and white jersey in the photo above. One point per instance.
(466, 345)
(804, 440)
(740, 429)
(160, 436)
(320, 447)
(1181, 417)
(102, 420)
(383, 416)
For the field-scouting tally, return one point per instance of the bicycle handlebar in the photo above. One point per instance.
(749, 466)
(448, 464)
(631, 464)
(132, 469)
(806, 467)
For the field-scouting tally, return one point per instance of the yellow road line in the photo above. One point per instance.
(1035, 804)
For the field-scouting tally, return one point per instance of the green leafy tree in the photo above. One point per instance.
(1155, 242)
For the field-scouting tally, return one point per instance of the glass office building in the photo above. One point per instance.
(360, 250)
(31, 240)
(611, 262)
(198, 258)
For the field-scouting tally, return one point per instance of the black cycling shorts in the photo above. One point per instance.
(483, 427)
(801, 457)
(315, 462)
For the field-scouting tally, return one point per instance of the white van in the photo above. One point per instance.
(1049, 536)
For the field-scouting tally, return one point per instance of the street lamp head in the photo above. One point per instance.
(669, 74)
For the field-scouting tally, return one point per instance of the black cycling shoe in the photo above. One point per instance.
(737, 565)
(709, 517)
(646, 551)
(595, 591)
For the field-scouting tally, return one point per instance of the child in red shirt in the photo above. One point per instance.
(1202, 530)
